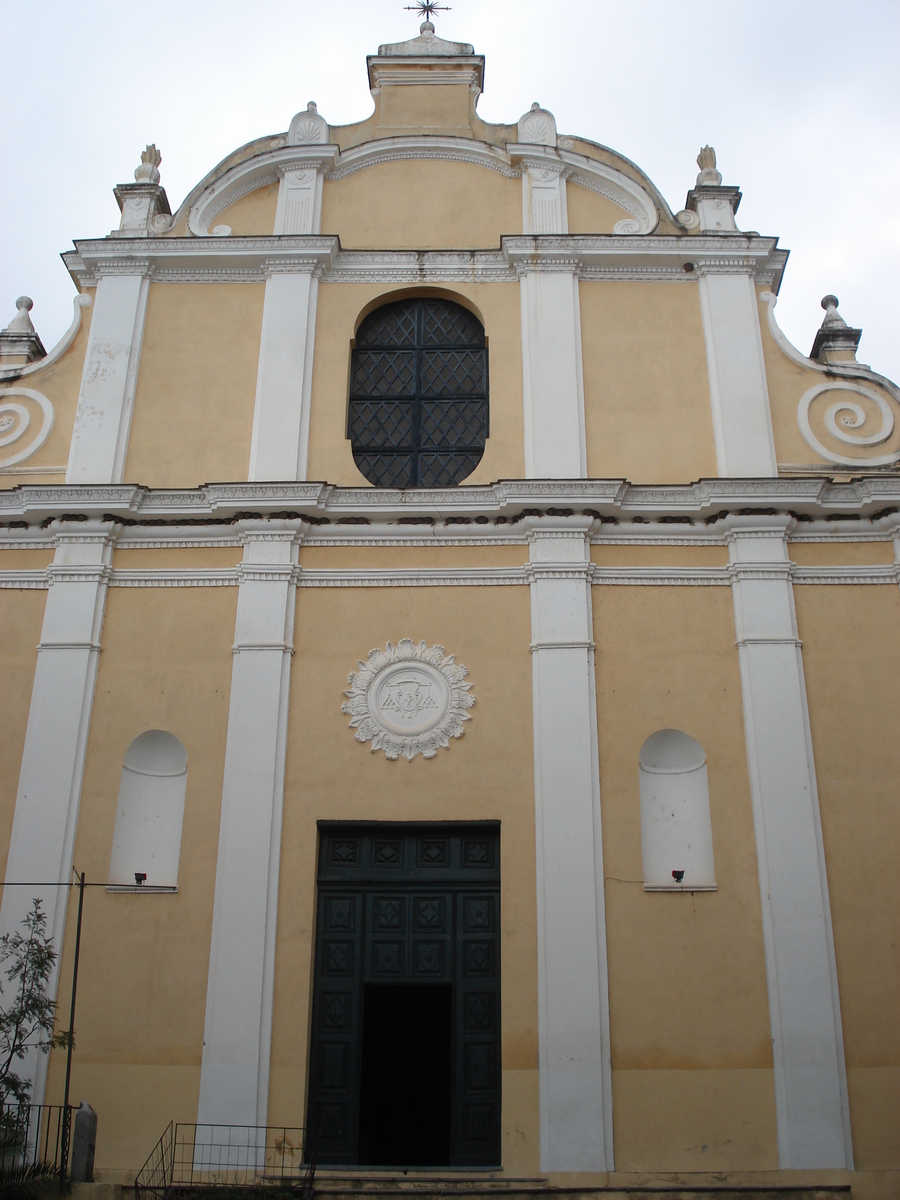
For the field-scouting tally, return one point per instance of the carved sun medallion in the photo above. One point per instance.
(408, 699)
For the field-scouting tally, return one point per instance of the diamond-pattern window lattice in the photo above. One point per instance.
(446, 324)
(445, 470)
(452, 424)
(384, 373)
(391, 325)
(453, 372)
(432, 353)
(377, 424)
(386, 470)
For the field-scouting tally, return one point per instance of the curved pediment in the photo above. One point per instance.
(639, 211)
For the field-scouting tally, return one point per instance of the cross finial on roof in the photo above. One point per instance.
(427, 8)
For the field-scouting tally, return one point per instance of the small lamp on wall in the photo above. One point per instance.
(139, 877)
(676, 875)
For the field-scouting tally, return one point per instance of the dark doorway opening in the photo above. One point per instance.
(406, 1085)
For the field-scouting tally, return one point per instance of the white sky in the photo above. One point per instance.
(799, 97)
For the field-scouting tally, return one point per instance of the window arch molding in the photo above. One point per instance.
(418, 408)
(149, 812)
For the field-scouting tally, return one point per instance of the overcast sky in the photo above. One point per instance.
(799, 98)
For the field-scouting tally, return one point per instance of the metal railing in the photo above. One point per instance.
(36, 1133)
(190, 1156)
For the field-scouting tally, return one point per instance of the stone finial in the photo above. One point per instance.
(21, 322)
(19, 344)
(706, 161)
(148, 171)
(835, 341)
(832, 317)
(308, 128)
(537, 127)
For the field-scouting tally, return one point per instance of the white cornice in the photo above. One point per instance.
(632, 576)
(508, 500)
(592, 257)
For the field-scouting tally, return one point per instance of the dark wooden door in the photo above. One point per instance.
(407, 905)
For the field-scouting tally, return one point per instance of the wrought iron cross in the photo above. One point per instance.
(427, 8)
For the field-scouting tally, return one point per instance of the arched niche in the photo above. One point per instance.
(147, 835)
(676, 830)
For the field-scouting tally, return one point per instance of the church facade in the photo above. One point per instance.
(458, 636)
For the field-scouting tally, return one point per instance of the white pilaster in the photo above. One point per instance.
(804, 1007)
(234, 1078)
(552, 373)
(573, 993)
(739, 395)
(49, 793)
(108, 379)
(279, 444)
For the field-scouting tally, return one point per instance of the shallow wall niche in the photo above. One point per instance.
(676, 831)
(147, 835)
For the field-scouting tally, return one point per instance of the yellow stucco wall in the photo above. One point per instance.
(253, 214)
(689, 1020)
(166, 664)
(589, 212)
(340, 309)
(59, 382)
(841, 554)
(485, 775)
(851, 658)
(646, 388)
(426, 204)
(21, 617)
(193, 410)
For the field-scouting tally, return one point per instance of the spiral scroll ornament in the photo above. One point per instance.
(26, 419)
(408, 699)
(848, 422)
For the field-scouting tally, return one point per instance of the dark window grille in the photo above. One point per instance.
(418, 394)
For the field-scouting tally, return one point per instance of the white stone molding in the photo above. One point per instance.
(669, 513)
(552, 375)
(16, 419)
(804, 1007)
(739, 394)
(573, 992)
(79, 304)
(308, 128)
(234, 1075)
(280, 438)
(50, 779)
(109, 378)
(595, 257)
(408, 699)
(537, 126)
(255, 172)
(852, 417)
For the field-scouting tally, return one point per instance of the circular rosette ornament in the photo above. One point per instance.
(408, 699)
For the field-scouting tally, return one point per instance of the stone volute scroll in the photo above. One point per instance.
(408, 699)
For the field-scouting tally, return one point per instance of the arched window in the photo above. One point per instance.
(676, 831)
(418, 394)
(147, 836)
